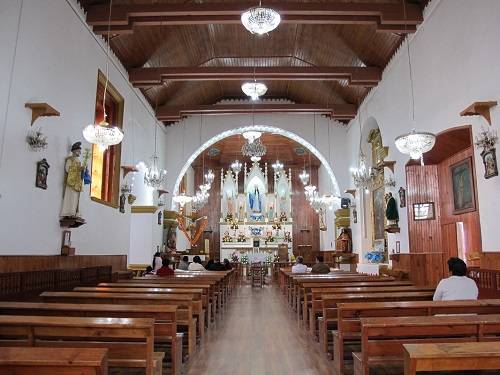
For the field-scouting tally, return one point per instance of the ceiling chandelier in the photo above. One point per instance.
(251, 136)
(236, 166)
(277, 166)
(362, 176)
(254, 150)
(199, 200)
(415, 143)
(304, 177)
(209, 177)
(182, 199)
(254, 89)
(260, 20)
(102, 134)
(154, 176)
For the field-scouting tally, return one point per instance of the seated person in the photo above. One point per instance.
(165, 270)
(156, 261)
(457, 286)
(227, 265)
(299, 267)
(320, 267)
(209, 265)
(196, 265)
(184, 263)
(149, 271)
(217, 266)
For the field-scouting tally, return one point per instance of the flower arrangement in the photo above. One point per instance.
(241, 237)
(226, 237)
(269, 258)
(487, 139)
(37, 140)
(276, 258)
(374, 256)
(287, 237)
(234, 257)
(244, 259)
(269, 237)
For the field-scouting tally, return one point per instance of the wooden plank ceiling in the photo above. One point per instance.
(355, 37)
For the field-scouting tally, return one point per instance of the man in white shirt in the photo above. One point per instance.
(299, 267)
(196, 264)
(457, 286)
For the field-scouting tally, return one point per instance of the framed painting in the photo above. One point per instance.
(379, 213)
(490, 163)
(462, 179)
(424, 211)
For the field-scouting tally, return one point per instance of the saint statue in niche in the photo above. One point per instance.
(254, 201)
(73, 182)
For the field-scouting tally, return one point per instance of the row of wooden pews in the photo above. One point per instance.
(376, 324)
(157, 324)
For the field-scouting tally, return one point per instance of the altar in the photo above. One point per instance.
(255, 220)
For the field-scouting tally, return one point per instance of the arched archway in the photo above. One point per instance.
(263, 129)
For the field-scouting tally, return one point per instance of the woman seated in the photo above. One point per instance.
(165, 270)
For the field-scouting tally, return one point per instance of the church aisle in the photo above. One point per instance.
(259, 336)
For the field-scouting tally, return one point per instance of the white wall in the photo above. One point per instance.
(53, 57)
(455, 56)
(184, 139)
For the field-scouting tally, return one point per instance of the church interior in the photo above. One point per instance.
(262, 188)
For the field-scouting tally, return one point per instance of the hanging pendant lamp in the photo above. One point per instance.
(102, 134)
(415, 143)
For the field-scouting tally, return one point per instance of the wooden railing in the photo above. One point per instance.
(488, 282)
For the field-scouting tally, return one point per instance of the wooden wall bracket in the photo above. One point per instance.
(479, 109)
(127, 169)
(388, 164)
(161, 192)
(41, 110)
(351, 191)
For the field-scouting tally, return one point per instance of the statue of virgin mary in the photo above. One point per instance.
(255, 201)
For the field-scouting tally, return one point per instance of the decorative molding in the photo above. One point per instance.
(479, 109)
(143, 209)
(41, 110)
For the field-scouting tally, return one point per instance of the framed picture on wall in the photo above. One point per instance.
(463, 187)
(424, 211)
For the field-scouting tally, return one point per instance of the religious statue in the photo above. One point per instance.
(230, 203)
(72, 188)
(402, 197)
(255, 201)
(391, 212)
(270, 213)
(344, 242)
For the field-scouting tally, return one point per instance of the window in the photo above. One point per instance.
(106, 165)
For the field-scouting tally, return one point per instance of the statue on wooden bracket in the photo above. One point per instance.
(392, 214)
(73, 186)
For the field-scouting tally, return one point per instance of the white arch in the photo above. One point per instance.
(262, 129)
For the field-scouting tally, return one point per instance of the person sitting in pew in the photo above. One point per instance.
(165, 270)
(149, 271)
(320, 267)
(184, 263)
(157, 261)
(457, 286)
(196, 265)
(299, 267)
(227, 265)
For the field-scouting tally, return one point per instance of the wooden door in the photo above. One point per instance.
(450, 244)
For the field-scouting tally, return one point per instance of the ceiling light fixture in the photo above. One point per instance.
(102, 134)
(415, 143)
(260, 20)
(251, 136)
(254, 89)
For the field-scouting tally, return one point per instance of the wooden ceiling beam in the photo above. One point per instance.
(387, 17)
(176, 113)
(360, 76)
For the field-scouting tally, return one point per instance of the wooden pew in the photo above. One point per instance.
(165, 328)
(317, 294)
(305, 288)
(297, 282)
(329, 303)
(198, 310)
(451, 357)
(382, 338)
(50, 361)
(130, 342)
(184, 302)
(207, 297)
(216, 287)
(348, 317)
